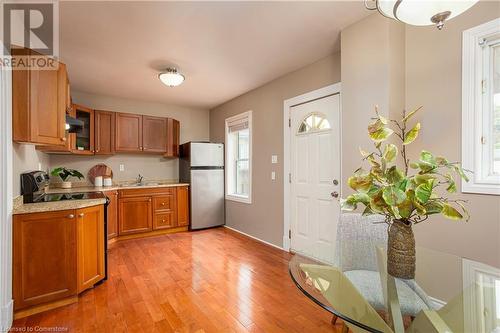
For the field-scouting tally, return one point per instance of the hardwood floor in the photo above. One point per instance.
(205, 281)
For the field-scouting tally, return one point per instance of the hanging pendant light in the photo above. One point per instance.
(171, 77)
(421, 12)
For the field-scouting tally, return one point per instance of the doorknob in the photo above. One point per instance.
(335, 182)
(335, 194)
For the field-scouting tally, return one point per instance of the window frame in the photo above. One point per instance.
(473, 113)
(231, 160)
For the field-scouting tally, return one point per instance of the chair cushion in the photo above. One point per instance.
(369, 285)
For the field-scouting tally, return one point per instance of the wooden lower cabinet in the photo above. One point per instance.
(90, 246)
(182, 206)
(56, 255)
(112, 213)
(144, 210)
(135, 215)
(44, 257)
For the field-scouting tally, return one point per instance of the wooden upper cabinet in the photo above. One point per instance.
(44, 257)
(128, 129)
(90, 246)
(84, 140)
(173, 138)
(104, 132)
(182, 205)
(69, 140)
(38, 103)
(154, 134)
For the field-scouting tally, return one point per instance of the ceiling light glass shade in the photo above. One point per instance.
(171, 77)
(424, 12)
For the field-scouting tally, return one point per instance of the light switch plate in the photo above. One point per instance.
(122, 167)
(274, 159)
(273, 175)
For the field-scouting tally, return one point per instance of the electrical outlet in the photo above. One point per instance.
(122, 167)
(274, 159)
(273, 175)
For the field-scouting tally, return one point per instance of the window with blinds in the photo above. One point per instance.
(238, 157)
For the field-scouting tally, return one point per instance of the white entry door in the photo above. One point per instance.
(315, 177)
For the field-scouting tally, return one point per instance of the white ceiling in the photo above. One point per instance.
(224, 48)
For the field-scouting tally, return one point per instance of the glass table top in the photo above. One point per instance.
(448, 294)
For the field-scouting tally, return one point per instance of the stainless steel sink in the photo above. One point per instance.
(138, 184)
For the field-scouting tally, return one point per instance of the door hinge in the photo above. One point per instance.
(483, 86)
(289, 122)
(290, 178)
(289, 233)
(483, 140)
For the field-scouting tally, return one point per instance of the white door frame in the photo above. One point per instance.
(287, 104)
(6, 303)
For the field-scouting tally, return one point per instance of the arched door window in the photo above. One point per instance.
(314, 122)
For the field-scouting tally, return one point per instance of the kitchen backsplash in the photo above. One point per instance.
(152, 167)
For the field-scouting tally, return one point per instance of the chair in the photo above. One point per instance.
(355, 254)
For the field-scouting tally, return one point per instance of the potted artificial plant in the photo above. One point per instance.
(405, 195)
(65, 174)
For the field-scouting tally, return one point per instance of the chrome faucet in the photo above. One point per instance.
(139, 179)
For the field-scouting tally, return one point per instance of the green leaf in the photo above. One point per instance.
(393, 196)
(405, 208)
(395, 211)
(451, 213)
(412, 134)
(348, 205)
(409, 115)
(377, 203)
(423, 191)
(364, 153)
(390, 152)
(461, 172)
(427, 157)
(433, 207)
(441, 160)
(368, 211)
(420, 179)
(381, 134)
(360, 181)
(414, 165)
(394, 175)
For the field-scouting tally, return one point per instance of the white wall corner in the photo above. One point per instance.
(6, 176)
(6, 316)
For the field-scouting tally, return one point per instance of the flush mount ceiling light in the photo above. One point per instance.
(420, 12)
(171, 77)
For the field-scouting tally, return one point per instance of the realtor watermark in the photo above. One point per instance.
(29, 34)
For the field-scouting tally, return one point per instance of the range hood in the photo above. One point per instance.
(73, 125)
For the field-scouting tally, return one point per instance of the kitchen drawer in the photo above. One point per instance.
(164, 202)
(164, 220)
(139, 192)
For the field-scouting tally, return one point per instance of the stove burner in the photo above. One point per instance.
(52, 197)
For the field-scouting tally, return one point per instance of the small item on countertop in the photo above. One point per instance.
(108, 181)
(98, 181)
(99, 170)
(65, 173)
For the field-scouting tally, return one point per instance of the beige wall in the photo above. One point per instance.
(194, 126)
(372, 74)
(264, 217)
(434, 80)
(26, 158)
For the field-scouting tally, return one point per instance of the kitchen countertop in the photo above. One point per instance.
(39, 207)
(22, 208)
(111, 188)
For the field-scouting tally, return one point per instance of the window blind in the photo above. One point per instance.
(238, 125)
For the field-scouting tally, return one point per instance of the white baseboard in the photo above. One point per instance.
(437, 303)
(257, 239)
(6, 316)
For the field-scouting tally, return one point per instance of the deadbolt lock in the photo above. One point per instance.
(335, 182)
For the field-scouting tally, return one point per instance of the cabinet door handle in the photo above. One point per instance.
(71, 216)
(162, 221)
(163, 204)
(81, 215)
(63, 139)
(97, 151)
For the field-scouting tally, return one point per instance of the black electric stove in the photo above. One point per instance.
(50, 197)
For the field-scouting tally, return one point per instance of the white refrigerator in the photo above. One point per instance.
(201, 164)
